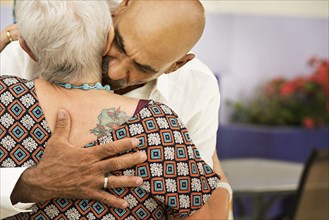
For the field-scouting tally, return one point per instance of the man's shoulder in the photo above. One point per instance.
(195, 75)
(196, 68)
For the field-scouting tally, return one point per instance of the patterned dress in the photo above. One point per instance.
(177, 181)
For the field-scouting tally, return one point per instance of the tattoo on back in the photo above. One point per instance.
(109, 119)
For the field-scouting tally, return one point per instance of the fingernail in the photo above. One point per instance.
(142, 156)
(139, 181)
(124, 204)
(135, 141)
(61, 114)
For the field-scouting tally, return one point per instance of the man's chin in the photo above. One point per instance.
(120, 86)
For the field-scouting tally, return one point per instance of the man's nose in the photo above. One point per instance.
(119, 68)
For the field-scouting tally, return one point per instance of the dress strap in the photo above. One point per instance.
(141, 104)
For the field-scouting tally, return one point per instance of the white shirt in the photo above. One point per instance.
(191, 91)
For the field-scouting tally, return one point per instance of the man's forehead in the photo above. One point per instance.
(122, 40)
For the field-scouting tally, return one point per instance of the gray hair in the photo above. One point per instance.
(67, 37)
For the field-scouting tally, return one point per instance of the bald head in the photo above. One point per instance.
(157, 34)
(173, 27)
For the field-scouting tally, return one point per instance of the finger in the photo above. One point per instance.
(123, 181)
(122, 162)
(109, 199)
(106, 150)
(63, 125)
(14, 35)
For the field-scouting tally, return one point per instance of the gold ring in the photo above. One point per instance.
(9, 36)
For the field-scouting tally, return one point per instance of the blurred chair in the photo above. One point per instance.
(312, 200)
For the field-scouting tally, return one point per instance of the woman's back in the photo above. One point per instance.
(176, 180)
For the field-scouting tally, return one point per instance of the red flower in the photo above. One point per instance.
(299, 82)
(308, 122)
(287, 89)
(288, 102)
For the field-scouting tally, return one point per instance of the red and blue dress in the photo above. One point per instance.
(177, 181)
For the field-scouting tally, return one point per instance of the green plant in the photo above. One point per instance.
(301, 101)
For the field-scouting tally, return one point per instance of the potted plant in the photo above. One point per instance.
(285, 119)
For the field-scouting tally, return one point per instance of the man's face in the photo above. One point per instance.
(126, 64)
(140, 52)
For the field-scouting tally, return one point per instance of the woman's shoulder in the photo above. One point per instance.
(13, 86)
(8, 81)
(154, 108)
(161, 114)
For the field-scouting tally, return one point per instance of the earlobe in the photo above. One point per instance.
(181, 62)
(26, 48)
(109, 41)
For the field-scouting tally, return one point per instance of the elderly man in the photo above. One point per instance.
(150, 60)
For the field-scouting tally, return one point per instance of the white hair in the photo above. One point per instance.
(114, 4)
(66, 37)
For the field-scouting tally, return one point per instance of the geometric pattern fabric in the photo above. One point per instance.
(177, 181)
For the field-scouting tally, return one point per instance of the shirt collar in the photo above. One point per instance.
(161, 86)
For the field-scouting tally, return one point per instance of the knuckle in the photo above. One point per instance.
(109, 200)
(102, 199)
(111, 149)
(117, 165)
(84, 192)
(61, 123)
(101, 168)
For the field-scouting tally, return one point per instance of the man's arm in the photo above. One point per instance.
(218, 205)
(7, 35)
(75, 173)
(192, 92)
(14, 61)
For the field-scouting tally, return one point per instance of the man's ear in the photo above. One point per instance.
(109, 40)
(122, 6)
(26, 48)
(181, 62)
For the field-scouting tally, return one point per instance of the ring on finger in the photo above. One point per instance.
(106, 181)
(9, 36)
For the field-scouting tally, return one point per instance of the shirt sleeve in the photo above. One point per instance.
(192, 92)
(8, 180)
(15, 61)
(9, 57)
(202, 123)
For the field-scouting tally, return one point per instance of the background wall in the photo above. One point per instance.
(245, 50)
(248, 42)
(6, 17)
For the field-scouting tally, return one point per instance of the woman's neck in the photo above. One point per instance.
(84, 107)
(80, 81)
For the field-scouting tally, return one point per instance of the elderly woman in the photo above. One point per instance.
(60, 37)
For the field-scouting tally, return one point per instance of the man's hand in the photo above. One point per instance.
(217, 167)
(7, 35)
(71, 172)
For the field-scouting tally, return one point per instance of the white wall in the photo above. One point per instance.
(305, 8)
(6, 17)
